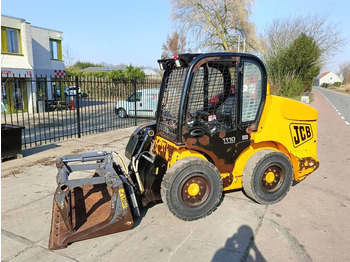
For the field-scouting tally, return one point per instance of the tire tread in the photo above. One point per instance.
(249, 170)
(170, 176)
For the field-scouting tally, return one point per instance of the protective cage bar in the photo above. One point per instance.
(212, 101)
(212, 98)
(169, 111)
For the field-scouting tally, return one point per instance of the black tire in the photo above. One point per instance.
(267, 176)
(121, 112)
(192, 188)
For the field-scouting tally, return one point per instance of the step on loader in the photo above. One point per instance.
(217, 128)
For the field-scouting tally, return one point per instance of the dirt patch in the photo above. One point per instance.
(13, 173)
(46, 161)
(116, 141)
(342, 89)
(78, 151)
(346, 88)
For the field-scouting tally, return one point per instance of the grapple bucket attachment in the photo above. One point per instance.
(85, 208)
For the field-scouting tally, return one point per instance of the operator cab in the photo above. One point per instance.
(211, 102)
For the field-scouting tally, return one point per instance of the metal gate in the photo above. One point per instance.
(53, 109)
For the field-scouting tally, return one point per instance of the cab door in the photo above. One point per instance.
(220, 108)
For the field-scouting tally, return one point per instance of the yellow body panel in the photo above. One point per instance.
(292, 110)
(285, 126)
(279, 124)
(172, 152)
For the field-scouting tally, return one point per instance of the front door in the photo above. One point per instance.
(215, 122)
(15, 95)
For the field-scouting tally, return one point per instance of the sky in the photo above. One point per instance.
(132, 32)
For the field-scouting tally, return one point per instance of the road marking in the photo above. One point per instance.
(346, 122)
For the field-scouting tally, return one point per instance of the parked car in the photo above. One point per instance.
(145, 100)
(70, 91)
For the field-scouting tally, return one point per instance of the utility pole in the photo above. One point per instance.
(244, 45)
(239, 42)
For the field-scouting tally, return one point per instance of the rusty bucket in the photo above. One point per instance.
(93, 206)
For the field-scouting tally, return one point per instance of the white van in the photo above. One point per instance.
(145, 100)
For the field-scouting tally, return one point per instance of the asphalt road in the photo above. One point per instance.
(339, 101)
(310, 224)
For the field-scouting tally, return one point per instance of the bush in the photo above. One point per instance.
(130, 73)
(337, 84)
(292, 87)
(294, 68)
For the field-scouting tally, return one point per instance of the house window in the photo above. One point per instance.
(55, 49)
(10, 40)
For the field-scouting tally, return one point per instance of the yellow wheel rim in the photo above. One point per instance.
(270, 177)
(193, 189)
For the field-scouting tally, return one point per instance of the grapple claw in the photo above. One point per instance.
(90, 207)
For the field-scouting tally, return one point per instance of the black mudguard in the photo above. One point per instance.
(140, 140)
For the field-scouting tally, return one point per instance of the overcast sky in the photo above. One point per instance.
(133, 32)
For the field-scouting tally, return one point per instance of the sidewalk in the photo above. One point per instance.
(46, 155)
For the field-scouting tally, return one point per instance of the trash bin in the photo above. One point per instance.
(11, 141)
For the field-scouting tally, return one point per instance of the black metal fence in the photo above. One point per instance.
(53, 109)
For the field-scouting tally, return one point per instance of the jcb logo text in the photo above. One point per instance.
(301, 133)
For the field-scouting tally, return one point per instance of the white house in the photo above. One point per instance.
(28, 51)
(149, 72)
(328, 78)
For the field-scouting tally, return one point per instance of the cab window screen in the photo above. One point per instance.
(169, 111)
(212, 99)
(252, 84)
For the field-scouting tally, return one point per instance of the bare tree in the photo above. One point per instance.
(284, 31)
(217, 24)
(345, 72)
(175, 44)
(68, 56)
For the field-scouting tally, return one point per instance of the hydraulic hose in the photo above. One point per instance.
(141, 187)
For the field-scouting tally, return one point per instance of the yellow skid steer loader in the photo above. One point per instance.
(217, 128)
